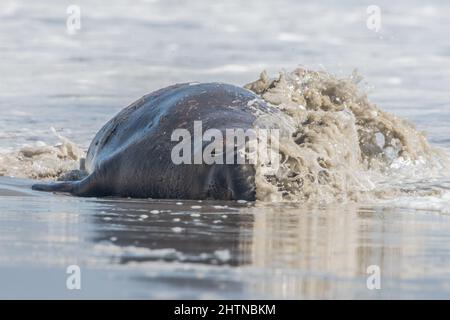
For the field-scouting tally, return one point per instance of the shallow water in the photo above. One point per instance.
(126, 249)
(76, 83)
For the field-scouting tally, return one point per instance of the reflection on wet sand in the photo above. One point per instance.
(309, 251)
(196, 235)
(277, 251)
(168, 249)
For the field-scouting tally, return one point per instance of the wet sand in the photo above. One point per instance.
(126, 249)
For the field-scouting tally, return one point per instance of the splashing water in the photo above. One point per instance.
(42, 161)
(338, 146)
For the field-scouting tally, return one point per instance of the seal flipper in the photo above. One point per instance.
(82, 188)
(67, 186)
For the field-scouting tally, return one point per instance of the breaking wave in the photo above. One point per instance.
(43, 161)
(338, 146)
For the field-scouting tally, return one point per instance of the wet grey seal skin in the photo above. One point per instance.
(131, 155)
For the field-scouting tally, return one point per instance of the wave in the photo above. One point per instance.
(338, 146)
(43, 161)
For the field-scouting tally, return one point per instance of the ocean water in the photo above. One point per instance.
(160, 249)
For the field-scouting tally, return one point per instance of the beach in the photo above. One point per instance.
(54, 84)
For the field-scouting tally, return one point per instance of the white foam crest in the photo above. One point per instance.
(42, 161)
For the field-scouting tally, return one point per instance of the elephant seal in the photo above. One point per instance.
(131, 155)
